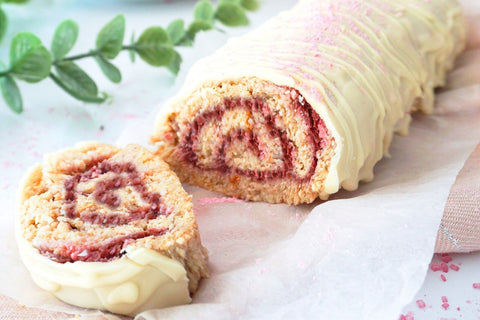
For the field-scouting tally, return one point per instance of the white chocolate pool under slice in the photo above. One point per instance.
(140, 280)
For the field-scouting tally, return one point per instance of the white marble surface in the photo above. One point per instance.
(52, 120)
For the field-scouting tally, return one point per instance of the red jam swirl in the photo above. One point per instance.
(125, 174)
(109, 250)
(316, 135)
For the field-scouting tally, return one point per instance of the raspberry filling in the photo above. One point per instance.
(111, 249)
(124, 174)
(316, 138)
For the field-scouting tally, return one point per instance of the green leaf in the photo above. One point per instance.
(76, 82)
(17, 1)
(3, 23)
(109, 70)
(250, 5)
(174, 66)
(203, 11)
(131, 52)
(186, 41)
(231, 14)
(154, 47)
(176, 31)
(21, 44)
(29, 59)
(197, 26)
(64, 38)
(11, 94)
(110, 39)
(236, 2)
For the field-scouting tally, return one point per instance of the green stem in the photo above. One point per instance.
(132, 46)
(4, 73)
(92, 53)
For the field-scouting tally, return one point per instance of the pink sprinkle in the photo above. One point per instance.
(443, 278)
(444, 267)
(468, 301)
(454, 267)
(435, 267)
(476, 285)
(8, 164)
(36, 154)
(458, 308)
(421, 304)
(444, 299)
(446, 258)
(129, 116)
(99, 134)
(445, 306)
(408, 316)
(207, 201)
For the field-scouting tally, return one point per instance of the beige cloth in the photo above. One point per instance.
(460, 227)
(10, 309)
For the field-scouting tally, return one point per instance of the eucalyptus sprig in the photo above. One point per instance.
(32, 62)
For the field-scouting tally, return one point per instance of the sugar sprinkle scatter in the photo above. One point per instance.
(208, 201)
(443, 263)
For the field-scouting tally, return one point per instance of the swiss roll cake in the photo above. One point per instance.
(308, 102)
(109, 228)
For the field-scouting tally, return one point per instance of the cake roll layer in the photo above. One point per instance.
(308, 103)
(112, 226)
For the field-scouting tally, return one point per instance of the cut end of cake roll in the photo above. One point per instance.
(249, 139)
(109, 228)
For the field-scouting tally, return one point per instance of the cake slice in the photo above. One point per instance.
(109, 228)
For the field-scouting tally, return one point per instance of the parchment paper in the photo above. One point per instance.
(360, 255)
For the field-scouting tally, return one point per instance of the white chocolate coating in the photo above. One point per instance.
(141, 280)
(363, 65)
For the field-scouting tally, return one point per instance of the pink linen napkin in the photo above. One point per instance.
(460, 227)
